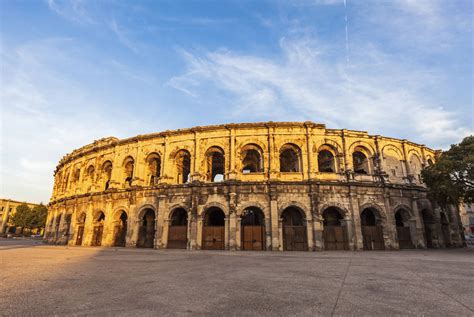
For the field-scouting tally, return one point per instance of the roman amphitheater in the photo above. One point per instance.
(252, 186)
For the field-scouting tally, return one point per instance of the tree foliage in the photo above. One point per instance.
(28, 218)
(451, 179)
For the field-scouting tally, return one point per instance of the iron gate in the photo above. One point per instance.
(335, 238)
(294, 238)
(253, 238)
(177, 237)
(213, 238)
(373, 238)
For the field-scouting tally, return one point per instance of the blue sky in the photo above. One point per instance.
(75, 71)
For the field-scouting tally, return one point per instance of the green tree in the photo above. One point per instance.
(451, 179)
(40, 213)
(22, 217)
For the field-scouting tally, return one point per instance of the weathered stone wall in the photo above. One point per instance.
(112, 176)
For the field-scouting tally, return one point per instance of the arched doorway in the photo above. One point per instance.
(294, 230)
(445, 229)
(146, 231)
(67, 226)
(58, 227)
(98, 230)
(402, 217)
(213, 230)
(428, 224)
(178, 230)
(120, 230)
(253, 229)
(334, 234)
(80, 228)
(372, 232)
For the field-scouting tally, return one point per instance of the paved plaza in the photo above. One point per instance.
(42, 280)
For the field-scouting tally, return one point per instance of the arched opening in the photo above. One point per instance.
(215, 164)
(294, 230)
(334, 233)
(429, 227)
(326, 162)
(67, 226)
(372, 232)
(81, 221)
(183, 166)
(253, 229)
(252, 161)
(128, 166)
(178, 230)
(290, 161)
(154, 168)
(146, 231)
(98, 230)
(58, 227)
(106, 174)
(402, 217)
(445, 229)
(361, 163)
(120, 230)
(213, 229)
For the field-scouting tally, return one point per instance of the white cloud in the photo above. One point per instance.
(376, 92)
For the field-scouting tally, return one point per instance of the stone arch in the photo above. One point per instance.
(120, 221)
(362, 160)
(429, 228)
(243, 206)
(213, 228)
(335, 231)
(416, 165)
(371, 221)
(342, 209)
(143, 208)
(169, 214)
(251, 158)
(368, 148)
(302, 208)
(182, 166)
(328, 159)
(380, 214)
(294, 228)
(405, 226)
(393, 148)
(290, 158)
(336, 147)
(153, 163)
(177, 228)
(80, 224)
(98, 219)
(215, 164)
(211, 205)
(128, 167)
(252, 226)
(106, 173)
(404, 207)
(146, 227)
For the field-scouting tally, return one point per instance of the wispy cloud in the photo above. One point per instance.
(307, 83)
(74, 10)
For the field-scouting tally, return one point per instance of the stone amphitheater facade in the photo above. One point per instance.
(250, 186)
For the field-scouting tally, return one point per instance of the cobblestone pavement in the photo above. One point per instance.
(45, 280)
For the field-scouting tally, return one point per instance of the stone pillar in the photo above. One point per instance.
(226, 232)
(268, 234)
(391, 228)
(280, 235)
(348, 225)
(419, 237)
(164, 239)
(275, 226)
(310, 234)
(160, 226)
(238, 233)
(318, 233)
(233, 231)
(356, 243)
(199, 232)
(191, 232)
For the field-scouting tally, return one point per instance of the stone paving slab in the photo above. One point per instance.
(40, 280)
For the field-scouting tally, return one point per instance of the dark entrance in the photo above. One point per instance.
(445, 230)
(372, 233)
(334, 234)
(294, 230)
(403, 230)
(80, 234)
(98, 230)
(80, 229)
(428, 224)
(253, 229)
(213, 230)
(120, 230)
(146, 231)
(178, 230)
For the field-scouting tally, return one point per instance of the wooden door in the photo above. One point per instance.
(335, 238)
(404, 238)
(213, 238)
(253, 238)
(120, 235)
(80, 234)
(294, 238)
(373, 238)
(177, 237)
